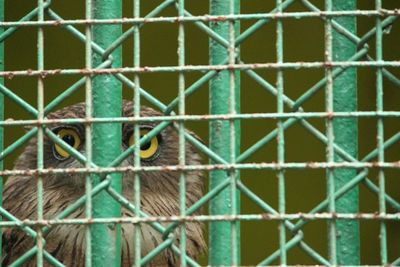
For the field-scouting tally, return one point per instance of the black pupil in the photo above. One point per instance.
(145, 146)
(69, 139)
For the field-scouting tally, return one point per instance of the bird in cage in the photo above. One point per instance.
(159, 193)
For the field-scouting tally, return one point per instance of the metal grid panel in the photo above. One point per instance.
(103, 38)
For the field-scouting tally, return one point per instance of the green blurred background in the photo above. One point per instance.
(303, 41)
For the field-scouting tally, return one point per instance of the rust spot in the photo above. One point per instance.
(9, 75)
(217, 19)
(144, 69)
(376, 215)
(375, 164)
(57, 23)
(358, 215)
(265, 216)
(84, 71)
(230, 67)
(56, 71)
(330, 115)
(328, 65)
(43, 74)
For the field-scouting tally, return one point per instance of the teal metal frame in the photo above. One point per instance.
(224, 138)
(345, 131)
(103, 37)
(106, 95)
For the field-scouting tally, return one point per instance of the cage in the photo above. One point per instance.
(291, 104)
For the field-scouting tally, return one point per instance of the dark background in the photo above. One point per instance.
(303, 41)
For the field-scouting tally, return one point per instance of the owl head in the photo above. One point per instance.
(162, 150)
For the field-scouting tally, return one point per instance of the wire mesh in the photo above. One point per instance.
(104, 31)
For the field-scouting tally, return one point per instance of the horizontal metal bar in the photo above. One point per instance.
(318, 265)
(191, 68)
(208, 117)
(209, 218)
(209, 167)
(177, 118)
(205, 18)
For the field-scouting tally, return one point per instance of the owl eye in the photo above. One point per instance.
(148, 149)
(69, 136)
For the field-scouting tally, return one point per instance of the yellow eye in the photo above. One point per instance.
(147, 150)
(69, 136)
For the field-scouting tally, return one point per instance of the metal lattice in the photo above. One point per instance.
(103, 37)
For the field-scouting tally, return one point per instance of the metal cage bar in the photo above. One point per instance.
(136, 132)
(40, 132)
(107, 102)
(346, 133)
(380, 135)
(281, 136)
(88, 132)
(224, 238)
(181, 132)
(330, 138)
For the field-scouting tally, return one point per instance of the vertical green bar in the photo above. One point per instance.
(1, 111)
(107, 101)
(88, 131)
(40, 133)
(346, 134)
(380, 135)
(281, 136)
(220, 233)
(330, 179)
(182, 154)
(136, 131)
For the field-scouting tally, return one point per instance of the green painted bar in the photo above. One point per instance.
(220, 233)
(107, 101)
(281, 136)
(88, 132)
(181, 131)
(1, 112)
(136, 131)
(380, 137)
(346, 135)
(40, 133)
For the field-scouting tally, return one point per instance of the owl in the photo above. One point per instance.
(159, 193)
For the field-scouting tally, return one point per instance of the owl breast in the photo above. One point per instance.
(67, 242)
